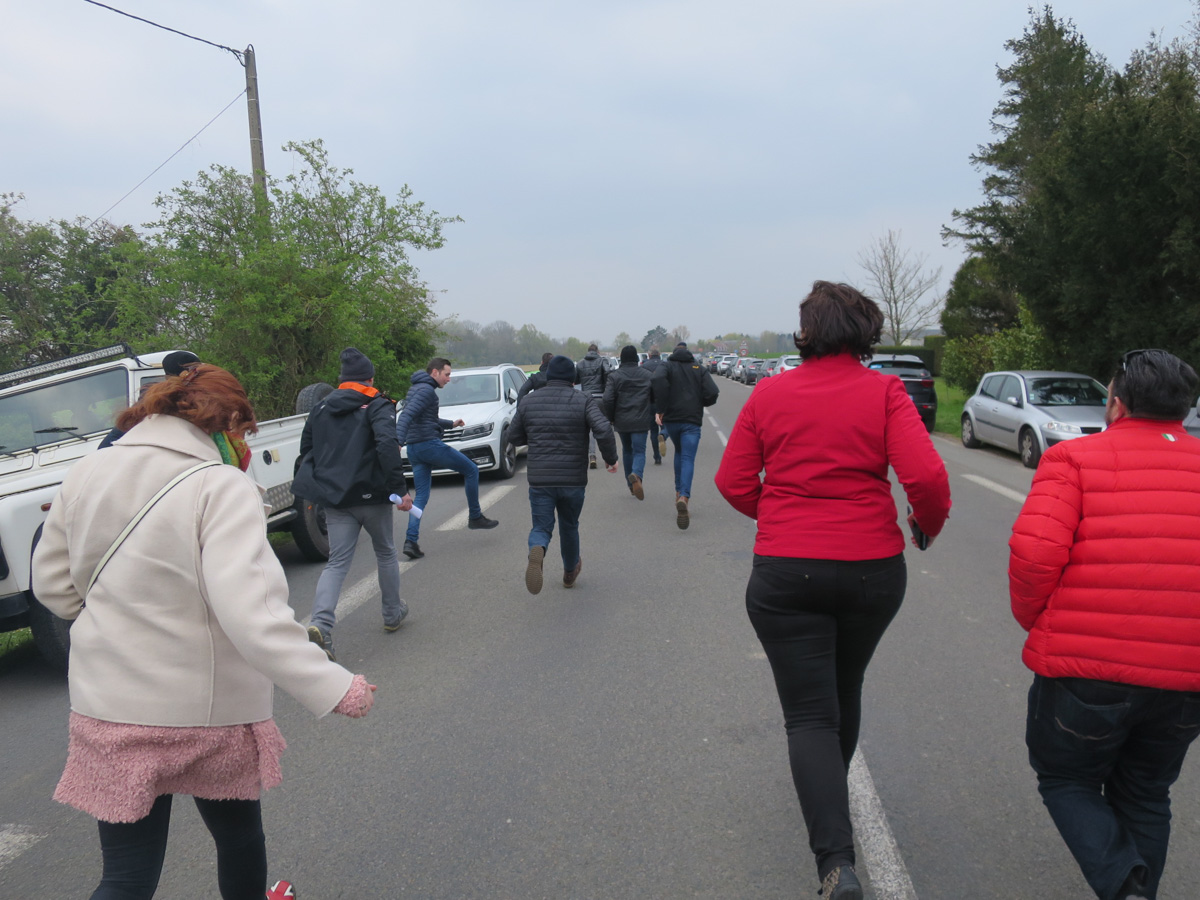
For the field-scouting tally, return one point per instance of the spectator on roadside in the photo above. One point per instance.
(829, 572)
(628, 405)
(682, 388)
(420, 428)
(537, 379)
(592, 375)
(555, 422)
(1104, 574)
(658, 441)
(350, 464)
(181, 630)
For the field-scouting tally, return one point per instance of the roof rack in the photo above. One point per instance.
(62, 365)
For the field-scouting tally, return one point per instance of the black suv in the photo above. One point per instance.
(918, 381)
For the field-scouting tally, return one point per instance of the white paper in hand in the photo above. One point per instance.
(414, 511)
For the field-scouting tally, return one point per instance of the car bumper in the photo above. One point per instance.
(481, 451)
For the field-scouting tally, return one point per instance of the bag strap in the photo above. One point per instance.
(162, 492)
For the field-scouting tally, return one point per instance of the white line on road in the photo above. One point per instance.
(717, 429)
(15, 840)
(884, 865)
(997, 488)
(460, 519)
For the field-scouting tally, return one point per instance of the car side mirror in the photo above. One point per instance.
(1013, 401)
(511, 396)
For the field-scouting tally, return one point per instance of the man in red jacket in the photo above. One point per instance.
(1104, 574)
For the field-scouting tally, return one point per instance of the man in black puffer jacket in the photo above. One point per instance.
(629, 406)
(537, 379)
(592, 375)
(682, 388)
(658, 441)
(555, 422)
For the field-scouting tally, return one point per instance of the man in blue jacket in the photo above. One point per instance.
(420, 429)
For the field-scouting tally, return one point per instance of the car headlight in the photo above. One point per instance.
(478, 430)
(1062, 428)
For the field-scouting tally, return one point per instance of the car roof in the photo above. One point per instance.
(1038, 373)
(482, 370)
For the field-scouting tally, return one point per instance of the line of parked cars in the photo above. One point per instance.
(750, 370)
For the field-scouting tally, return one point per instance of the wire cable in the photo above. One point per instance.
(236, 53)
(169, 158)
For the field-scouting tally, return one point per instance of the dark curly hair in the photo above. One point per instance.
(837, 318)
(205, 395)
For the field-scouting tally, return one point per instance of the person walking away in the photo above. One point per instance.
(157, 550)
(1104, 574)
(628, 405)
(682, 388)
(828, 572)
(537, 379)
(420, 429)
(555, 422)
(350, 465)
(658, 441)
(592, 375)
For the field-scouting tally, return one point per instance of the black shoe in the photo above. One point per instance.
(592, 461)
(841, 884)
(412, 550)
(482, 522)
(658, 460)
(322, 639)
(1135, 887)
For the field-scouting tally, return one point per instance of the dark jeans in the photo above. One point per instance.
(133, 851)
(686, 438)
(819, 621)
(568, 503)
(654, 440)
(633, 452)
(1106, 755)
(424, 457)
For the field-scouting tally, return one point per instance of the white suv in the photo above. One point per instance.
(485, 398)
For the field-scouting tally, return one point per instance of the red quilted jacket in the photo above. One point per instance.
(1104, 571)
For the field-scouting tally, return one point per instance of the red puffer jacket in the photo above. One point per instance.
(1104, 571)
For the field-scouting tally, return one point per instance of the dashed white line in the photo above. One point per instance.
(15, 840)
(889, 876)
(996, 488)
(717, 429)
(459, 520)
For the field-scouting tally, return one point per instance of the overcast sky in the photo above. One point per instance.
(618, 165)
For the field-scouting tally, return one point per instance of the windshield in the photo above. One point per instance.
(1066, 392)
(464, 389)
(55, 412)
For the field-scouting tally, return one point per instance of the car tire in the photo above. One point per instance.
(311, 395)
(310, 532)
(506, 464)
(968, 433)
(1027, 446)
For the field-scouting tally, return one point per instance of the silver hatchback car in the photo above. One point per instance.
(1030, 411)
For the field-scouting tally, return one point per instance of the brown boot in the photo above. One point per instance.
(533, 569)
(682, 519)
(635, 486)
(569, 577)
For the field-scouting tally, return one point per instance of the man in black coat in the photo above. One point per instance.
(592, 375)
(628, 405)
(350, 464)
(682, 388)
(537, 379)
(555, 422)
(658, 441)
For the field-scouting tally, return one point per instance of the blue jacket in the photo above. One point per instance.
(419, 419)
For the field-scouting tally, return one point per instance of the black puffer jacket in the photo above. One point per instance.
(532, 383)
(554, 421)
(348, 452)
(627, 399)
(591, 373)
(682, 388)
(653, 363)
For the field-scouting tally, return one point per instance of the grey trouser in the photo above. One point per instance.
(591, 434)
(344, 525)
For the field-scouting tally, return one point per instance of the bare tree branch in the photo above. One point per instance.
(898, 282)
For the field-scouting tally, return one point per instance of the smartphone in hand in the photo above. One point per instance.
(919, 536)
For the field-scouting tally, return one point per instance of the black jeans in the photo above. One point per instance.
(820, 621)
(1106, 755)
(133, 851)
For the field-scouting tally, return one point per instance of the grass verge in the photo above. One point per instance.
(950, 407)
(11, 640)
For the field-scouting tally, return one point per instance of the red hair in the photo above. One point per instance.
(207, 396)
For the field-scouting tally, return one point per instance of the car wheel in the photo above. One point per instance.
(310, 532)
(506, 466)
(1028, 447)
(968, 433)
(311, 395)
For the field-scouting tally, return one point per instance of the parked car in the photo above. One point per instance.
(755, 372)
(485, 398)
(735, 368)
(1192, 422)
(772, 367)
(1030, 411)
(740, 367)
(725, 363)
(787, 363)
(918, 381)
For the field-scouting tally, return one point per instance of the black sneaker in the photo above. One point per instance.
(841, 884)
(482, 522)
(412, 550)
(322, 639)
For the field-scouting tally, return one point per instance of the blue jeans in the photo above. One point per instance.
(633, 452)
(344, 526)
(1106, 755)
(426, 456)
(686, 438)
(568, 503)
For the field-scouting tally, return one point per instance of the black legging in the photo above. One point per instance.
(819, 622)
(133, 851)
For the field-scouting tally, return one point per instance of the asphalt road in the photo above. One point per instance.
(621, 739)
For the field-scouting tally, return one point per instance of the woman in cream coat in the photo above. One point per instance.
(178, 643)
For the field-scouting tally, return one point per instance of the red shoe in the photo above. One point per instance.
(281, 890)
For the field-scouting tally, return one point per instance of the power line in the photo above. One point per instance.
(236, 53)
(169, 158)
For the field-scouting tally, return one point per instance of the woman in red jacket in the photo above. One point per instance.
(808, 459)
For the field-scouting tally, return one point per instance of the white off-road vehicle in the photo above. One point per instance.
(54, 414)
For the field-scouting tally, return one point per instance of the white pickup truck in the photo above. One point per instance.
(55, 413)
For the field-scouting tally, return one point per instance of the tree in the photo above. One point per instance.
(897, 280)
(976, 303)
(622, 340)
(655, 337)
(680, 334)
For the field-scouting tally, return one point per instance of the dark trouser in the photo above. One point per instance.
(568, 503)
(654, 440)
(1106, 755)
(133, 851)
(819, 621)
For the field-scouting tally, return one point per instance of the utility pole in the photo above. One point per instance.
(258, 162)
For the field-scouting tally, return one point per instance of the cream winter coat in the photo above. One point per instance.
(189, 622)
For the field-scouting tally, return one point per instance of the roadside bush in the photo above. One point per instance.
(965, 360)
(936, 343)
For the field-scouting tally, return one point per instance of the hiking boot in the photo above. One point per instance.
(635, 486)
(412, 550)
(482, 521)
(533, 569)
(281, 890)
(592, 461)
(322, 639)
(841, 884)
(682, 518)
(569, 577)
(662, 447)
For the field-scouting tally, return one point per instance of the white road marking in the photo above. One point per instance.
(459, 520)
(717, 428)
(15, 840)
(888, 874)
(997, 488)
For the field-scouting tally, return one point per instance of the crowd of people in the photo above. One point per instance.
(182, 625)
